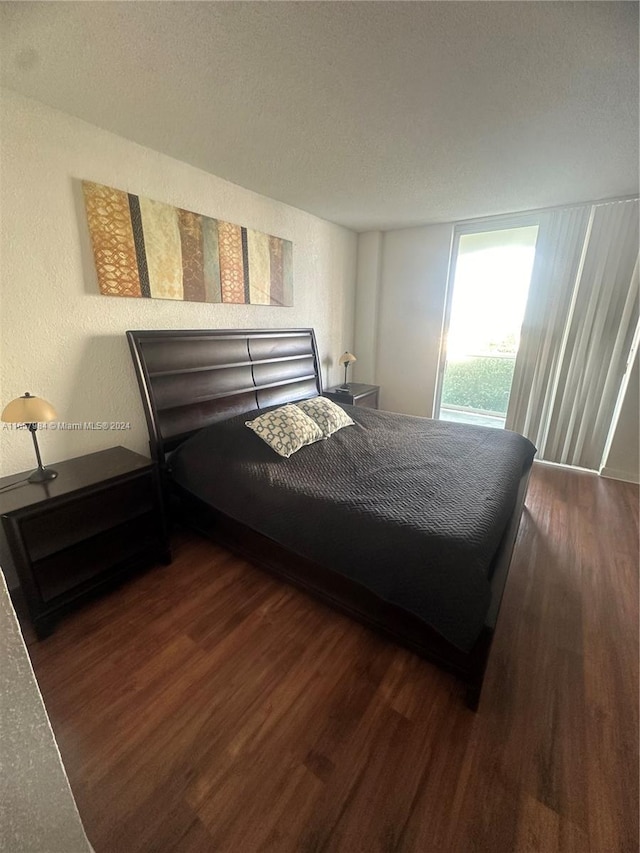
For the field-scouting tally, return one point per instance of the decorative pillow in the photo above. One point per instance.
(329, 417)
(286, 430)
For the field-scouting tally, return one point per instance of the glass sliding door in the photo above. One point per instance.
(491, 276)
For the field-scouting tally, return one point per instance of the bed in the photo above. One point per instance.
(405, 523)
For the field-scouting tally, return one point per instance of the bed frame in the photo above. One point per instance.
(190, 379)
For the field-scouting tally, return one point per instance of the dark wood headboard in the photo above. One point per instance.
(190, 379)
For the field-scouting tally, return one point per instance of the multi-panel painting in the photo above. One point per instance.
(145, 248)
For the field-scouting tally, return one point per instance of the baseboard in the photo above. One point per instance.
(565, 466)
(625, 476)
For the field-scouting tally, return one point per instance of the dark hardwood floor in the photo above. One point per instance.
(209, 707)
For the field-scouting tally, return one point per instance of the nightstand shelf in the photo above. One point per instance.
(99, 519)
(357, 395)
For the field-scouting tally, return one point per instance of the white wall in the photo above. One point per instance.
(413, 283)
(369, 269)
(623, 459)
(63, 341)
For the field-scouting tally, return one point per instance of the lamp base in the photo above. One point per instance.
(43, 475)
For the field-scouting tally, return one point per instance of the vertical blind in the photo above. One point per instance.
(579, 323)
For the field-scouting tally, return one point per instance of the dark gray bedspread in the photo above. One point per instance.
(412, 508)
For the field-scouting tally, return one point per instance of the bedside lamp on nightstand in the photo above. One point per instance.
(346, 358)
(31, 411)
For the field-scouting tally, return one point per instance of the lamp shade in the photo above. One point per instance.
(347, 358)
(28, 410)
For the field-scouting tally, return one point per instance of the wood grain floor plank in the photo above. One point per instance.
(207, 706)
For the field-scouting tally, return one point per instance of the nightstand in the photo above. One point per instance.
(357, 395)
(101, 517)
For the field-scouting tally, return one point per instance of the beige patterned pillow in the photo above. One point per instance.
(329, 417)
(286, 430)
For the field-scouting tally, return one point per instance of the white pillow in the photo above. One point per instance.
(329, 417)
(286, 429)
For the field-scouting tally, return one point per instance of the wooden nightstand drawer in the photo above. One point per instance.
(81, 518)
(368, 401)
(69, 570)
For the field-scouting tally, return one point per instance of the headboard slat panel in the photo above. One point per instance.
(279, 346)
(177, 388)
(181, 354)
(278, 394)
(184, 422)
(266, 373)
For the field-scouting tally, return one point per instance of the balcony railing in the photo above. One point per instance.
(476, 389)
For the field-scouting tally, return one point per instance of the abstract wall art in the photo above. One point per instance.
(145, 248)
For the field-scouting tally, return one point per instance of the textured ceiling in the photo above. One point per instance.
(373, 115)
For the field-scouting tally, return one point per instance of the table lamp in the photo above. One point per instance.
(32, 411)
(346, 358)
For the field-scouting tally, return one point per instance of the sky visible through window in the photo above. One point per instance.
(490, 292)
